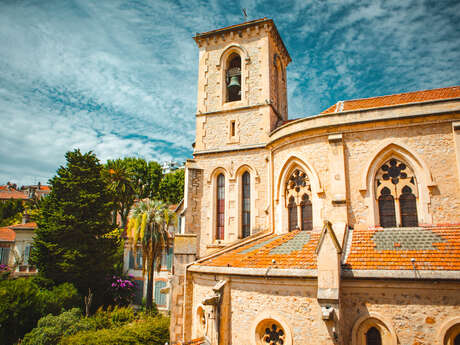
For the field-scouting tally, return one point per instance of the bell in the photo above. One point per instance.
(234, 82)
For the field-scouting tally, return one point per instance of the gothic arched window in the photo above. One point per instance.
(246, 203)
(387, 209)
(220, 211)
(233, 78)
(373, 337)
(292, 210)
(408, 206)
(298, 196)
(396, 193)
(307, 214)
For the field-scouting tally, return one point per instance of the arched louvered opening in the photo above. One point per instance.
(373, 337)
(220, 212)
(292, 210)
(246, 209)
(408, 206)
(233, 78)
(387, 209)
(307, 213)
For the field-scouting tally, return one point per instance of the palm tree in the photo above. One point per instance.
(122, 188)
(148, 225)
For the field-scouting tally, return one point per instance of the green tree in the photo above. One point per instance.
(11, 212)
(148, 225)
(129, 179)
(172, 187)
(71, 242)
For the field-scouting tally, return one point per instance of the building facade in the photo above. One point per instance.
(340, 228)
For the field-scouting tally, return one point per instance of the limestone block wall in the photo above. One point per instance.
(251, 127)
(414, 311)
(233, 165)
(292, 303)
(433, 144)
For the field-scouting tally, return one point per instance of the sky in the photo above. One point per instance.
(119, 77)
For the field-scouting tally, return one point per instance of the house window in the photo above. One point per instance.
(292, 210)
(232, 128)
(307, 214)
(220, 207)
(373, 337)
(169, 259)
(233, 78)
(4, 256)
(27, 250)
(396, 191)
(160, 298)
(246, 209)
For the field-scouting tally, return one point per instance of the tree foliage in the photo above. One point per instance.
(23, 301)
(11, 212)
(129, 179)
(71, 243)
(172, 187)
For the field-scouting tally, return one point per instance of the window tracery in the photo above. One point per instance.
(298, 195)
(396, 193)
(270, 332)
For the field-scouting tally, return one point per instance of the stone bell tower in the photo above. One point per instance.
(241, 85)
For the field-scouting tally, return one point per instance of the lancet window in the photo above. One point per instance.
(298, 196)
(246, 203)
(373, 337)
(396, 193)
(220, 211)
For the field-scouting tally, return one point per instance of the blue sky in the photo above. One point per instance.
(119, 77)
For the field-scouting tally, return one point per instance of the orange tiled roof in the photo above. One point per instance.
(7, 235)
(12, 194)
(24, 226)
(393, 249)
(398, 99)
(199, 341)
(295, 249)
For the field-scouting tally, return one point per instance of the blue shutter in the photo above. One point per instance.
(160, 298)
(26, 254)
(131, 260)
(139, 259)
(4, 255)
(139, 294)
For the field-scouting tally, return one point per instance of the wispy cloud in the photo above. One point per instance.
(119, 77)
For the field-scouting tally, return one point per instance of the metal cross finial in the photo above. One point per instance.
(245, 14)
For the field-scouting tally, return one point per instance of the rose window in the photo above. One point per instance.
(273, 335)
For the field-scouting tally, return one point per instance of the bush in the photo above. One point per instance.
(152, 331)
(50, 329)
(22, 303)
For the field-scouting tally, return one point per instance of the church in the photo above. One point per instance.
(341, 228)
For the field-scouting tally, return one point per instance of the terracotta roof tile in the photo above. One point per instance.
(7, 235)
(391, 100)
(295, 249)
(24, 226)
(12, 194)
(436, 248)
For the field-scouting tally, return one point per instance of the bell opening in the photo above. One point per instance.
(234, 78)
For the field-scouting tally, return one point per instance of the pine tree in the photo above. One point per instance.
(71, 243)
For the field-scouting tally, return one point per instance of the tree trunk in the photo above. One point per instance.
(149, 302)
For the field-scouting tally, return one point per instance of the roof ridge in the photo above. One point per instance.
(399, 94)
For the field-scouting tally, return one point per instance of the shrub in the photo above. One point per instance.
(22, 303)
(152, 331)
(122, 290)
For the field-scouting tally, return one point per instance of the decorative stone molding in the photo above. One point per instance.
(266, 320)
(369, 320)
(448, 331)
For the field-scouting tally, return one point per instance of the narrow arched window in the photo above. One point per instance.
(307, 214)
(292, 210)
(220, 224)
(408, 206)
(233, 78)
(387, 209)
(246, 209)
(373, 337)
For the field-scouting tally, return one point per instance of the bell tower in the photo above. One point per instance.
(241, 85)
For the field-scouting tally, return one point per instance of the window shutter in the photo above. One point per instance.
(139, 293)
(169, 259)
(160, 298)
(131, 260)
(4, 254)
